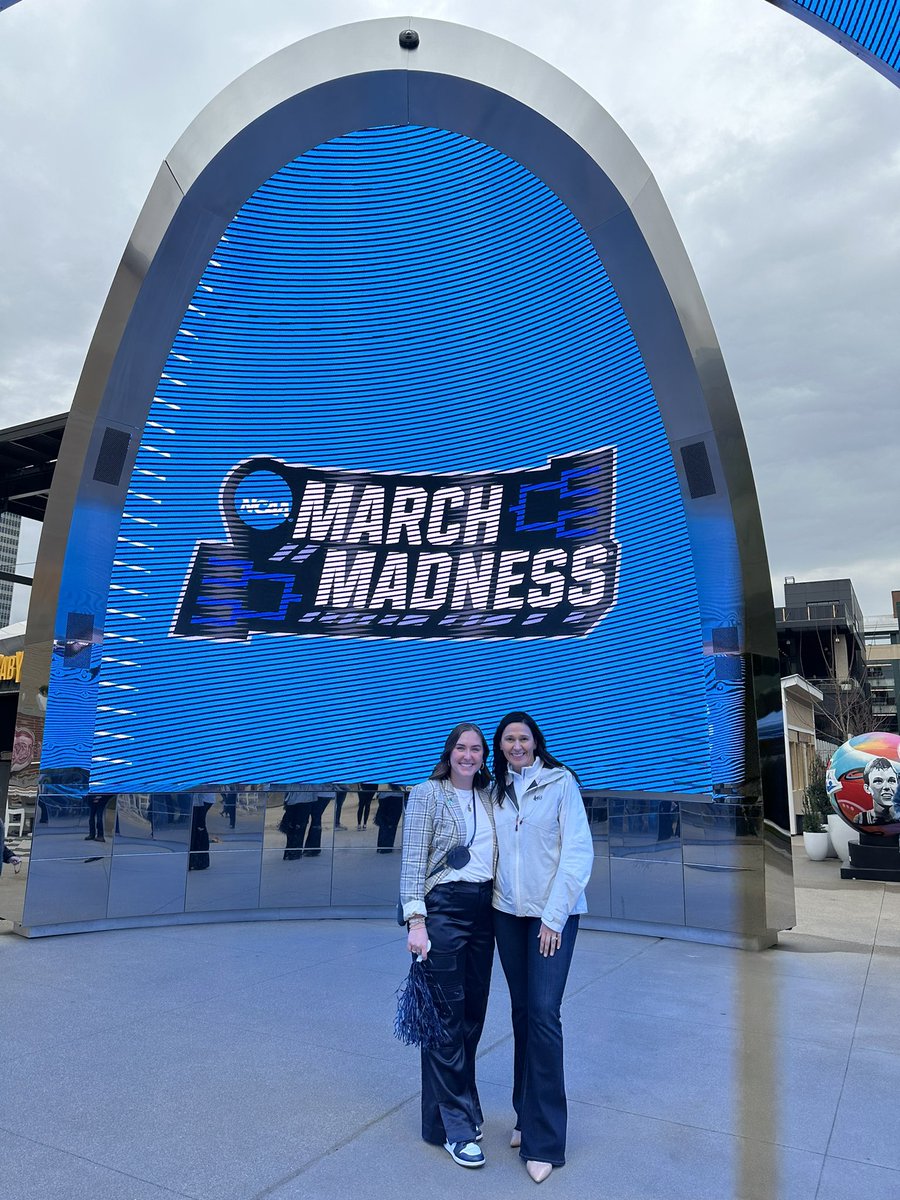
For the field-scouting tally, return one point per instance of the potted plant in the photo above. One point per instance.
(816, 809)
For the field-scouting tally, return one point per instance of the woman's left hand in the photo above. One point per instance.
(417, 941)
(549, 940)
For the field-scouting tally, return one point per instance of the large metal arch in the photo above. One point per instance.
(870, 31)
(460, 79)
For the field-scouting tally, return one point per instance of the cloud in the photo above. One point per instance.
(775, 149)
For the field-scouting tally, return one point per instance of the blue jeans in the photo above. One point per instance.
(536, 985)
(460, 926)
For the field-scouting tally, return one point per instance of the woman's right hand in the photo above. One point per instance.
(417, 941)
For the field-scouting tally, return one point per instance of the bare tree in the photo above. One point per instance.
(846, 707)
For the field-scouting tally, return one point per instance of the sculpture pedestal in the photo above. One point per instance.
(874, 858)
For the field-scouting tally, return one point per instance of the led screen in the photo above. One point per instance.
(873, 26)
(404, 466)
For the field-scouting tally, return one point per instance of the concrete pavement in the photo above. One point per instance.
(252, 1061)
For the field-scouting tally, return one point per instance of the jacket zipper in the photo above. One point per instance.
(518, 861)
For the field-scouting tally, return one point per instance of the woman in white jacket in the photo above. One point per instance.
(545, 856)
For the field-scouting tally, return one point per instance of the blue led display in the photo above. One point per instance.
(404, 466)
(872, 25)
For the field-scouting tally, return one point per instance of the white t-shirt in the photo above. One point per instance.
(480, 866)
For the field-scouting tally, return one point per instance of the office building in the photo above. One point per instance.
(821, 637)
(883, 665)
(9, 549)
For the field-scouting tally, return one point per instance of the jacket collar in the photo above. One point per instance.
(547, 775)
(535, 781)
(535, 778)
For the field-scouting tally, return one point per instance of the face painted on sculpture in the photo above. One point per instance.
(517, 743)
(882, 787)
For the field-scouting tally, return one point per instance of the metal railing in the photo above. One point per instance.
(835, 613)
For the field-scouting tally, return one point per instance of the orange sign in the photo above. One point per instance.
(11, 665)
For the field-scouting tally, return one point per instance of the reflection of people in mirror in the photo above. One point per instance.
(198, 859)
(449, 855)
(229, 807)
(366, 793)
(312, 846)
(304, 806)
(297, 805)
(669, 821)
(11, 859)
(97, 803)
(596, 808)
(880, 781)
(163, 810)
(8, 858)
(387, 817)
(339, 797)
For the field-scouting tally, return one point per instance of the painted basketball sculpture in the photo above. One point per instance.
(862, 782)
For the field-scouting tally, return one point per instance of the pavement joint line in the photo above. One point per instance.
(780, 1037)
(94, 1163)
(638, 952)
(272, 1188)
(628, 1112)
(227, 991)
(879, 1050)
(738, 1137)
(610, 970)
(864, 1162)
(501, 1041)
(588, 983)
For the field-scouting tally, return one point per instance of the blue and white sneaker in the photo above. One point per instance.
(467, 1154)
(478, 1133)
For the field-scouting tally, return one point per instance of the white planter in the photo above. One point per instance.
(816, 846)
(842, 835)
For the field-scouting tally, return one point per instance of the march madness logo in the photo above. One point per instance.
(505, 554)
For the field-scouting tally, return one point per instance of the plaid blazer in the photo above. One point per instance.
(433, 824)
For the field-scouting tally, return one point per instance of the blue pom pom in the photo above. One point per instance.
(422, 1012)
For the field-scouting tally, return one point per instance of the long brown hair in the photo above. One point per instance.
(482, 778)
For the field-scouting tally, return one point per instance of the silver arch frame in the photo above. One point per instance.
(457, 78)
(836, 34)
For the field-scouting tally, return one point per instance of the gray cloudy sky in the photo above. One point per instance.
(776, 150)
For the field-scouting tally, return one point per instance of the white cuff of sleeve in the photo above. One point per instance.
(413, 908)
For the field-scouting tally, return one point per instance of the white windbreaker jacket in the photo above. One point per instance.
(545, 849)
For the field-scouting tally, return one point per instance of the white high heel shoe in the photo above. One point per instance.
(538, 1170)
